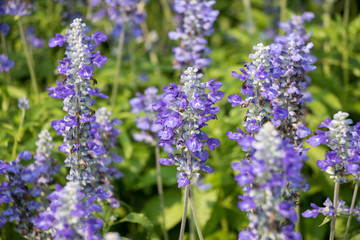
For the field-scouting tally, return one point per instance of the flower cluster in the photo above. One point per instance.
(4, 28)
(5, 63)
(32, 39)
(19, 192)
(183, 111)
(343, 141)
(70, 215)
(328, 210)
(275, 86)
(120, 12)
(75, 89)
(147, 125)
(197, 18)
(105, 133)
(45, 162)
(23, 103)
(18, 7)
(265, 176)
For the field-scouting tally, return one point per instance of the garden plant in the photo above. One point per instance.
(180, 119)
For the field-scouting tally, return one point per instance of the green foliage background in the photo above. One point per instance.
(335, 87)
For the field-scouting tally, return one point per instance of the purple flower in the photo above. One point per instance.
(58, 40)
(272, 165)
(5, 63)
(196, 22)
(183, 111)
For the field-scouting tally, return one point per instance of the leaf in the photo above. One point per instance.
(326, 220)
(204, 204)
(173, 208)
(140, 219)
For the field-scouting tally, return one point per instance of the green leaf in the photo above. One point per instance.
(173, 208)
(326, 220)
(204, 204)
(140, 219)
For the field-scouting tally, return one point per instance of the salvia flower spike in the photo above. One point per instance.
(75, 89)
(264, 176)
(183, 111)
(197, 19)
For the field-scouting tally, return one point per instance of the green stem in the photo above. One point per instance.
(154, 59)
(168, 15)
(351, 209)
(192, 205)
(29, 62)
(297, 209)
(249, 18)
(18, 134)
(335, 201)
(3, 45)
(118, 66)
(326, 23)
(187, 192)
(160, 191)
(345, 52)
(191, 221)
(89, 11)
(283, 4)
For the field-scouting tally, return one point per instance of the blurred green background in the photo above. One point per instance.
(240, 25)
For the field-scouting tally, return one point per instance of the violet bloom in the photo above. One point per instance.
(183, 111)
(327, 210)
(344, 144)
(70, 214)
(197, 19)
(105, 133)
(19, 7)
(78, 66)
(275, 85)
(273, 165)
(147, 125)
(4, 28)
(19, 191)
(23, 103)
(5, 63)
(121, 13)
(32, 39)
(45, 162)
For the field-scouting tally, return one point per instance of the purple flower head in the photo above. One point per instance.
(4, 28)
(78, 127)
(150, 129)
(272, 165)
(185, 109)
(196, 22)
(23, 103)
(5, 63)
(34, 40)
(18, 7)
(343, 141)
(69, 215)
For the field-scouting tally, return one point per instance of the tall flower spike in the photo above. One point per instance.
(19, 191)
(275, 84)
(341, 160)
(69, 215)
(196, 21)
(105, 137)
(75, 89)
(273, 165)
(147, 125)
(120, 12)
(342, 139)
(45, 163)
(183, 111)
